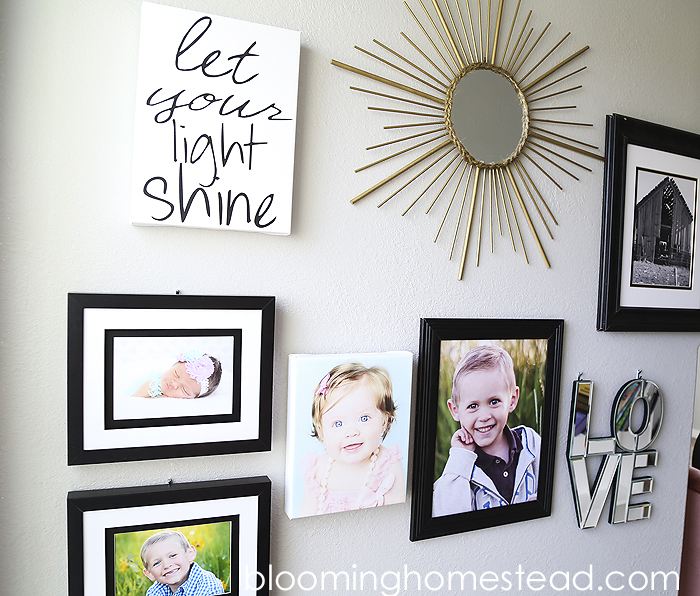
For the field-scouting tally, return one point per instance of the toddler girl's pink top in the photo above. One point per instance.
(379, 482)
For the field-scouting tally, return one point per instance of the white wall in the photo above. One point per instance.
(349, 278)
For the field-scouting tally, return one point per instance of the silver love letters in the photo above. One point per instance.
(622, 453)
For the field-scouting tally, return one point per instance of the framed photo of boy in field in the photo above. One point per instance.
(153, 377)
(208, 538)
(649, 278)
(486, 421)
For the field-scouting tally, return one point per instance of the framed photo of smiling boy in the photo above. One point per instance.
(347, 431)
(205, 538)
(486, 426)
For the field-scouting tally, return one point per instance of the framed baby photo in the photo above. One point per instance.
(348, 420)
(649, 280)
(209, 538)
(486, 423)
(152, 377)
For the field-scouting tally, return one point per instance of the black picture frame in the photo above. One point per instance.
(548, 334)
(96, 516)
(243, 325)
(648, 266)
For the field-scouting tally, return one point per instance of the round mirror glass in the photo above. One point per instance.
(487, 115)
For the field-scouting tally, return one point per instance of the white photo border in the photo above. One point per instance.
(656, 297)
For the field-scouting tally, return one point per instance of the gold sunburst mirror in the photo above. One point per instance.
(479, 107)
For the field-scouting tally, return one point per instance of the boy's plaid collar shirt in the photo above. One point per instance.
(199, 583)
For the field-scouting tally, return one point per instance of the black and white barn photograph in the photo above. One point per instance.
(664, 229)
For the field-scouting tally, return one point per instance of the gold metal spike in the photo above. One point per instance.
(427, 188)
(461, 209)
(517, 41)
(397, 98)
(415, 177)
(527, 216)
(430, 39)
(395, 111)
(555, 68)
(505, 208)
(516, 163)
(437, 196)
(437, 32)
(408, 138)
(567, 146)
(407, 61)
(559, 155)
(454, 194)
(388, 157)
(401, 171)
(401, 70)
(554, 134)
(555, 81)
(459, 39)
(529, 147)
(517, 68)
(471, 28)
(422, 53)
(448, 34)
(481, 218)
(515, 219)
(469, 225)
(556, 93)
(529, 72)
(386, 81)
(496, 32)
(466, 36)
(505, 49)
(522, 167)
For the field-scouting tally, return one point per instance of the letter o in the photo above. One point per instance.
(621, 420)
(439, 575)
(313, 577)
(646, 581)
(277, 581)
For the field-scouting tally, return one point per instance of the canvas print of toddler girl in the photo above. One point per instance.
(347, 431)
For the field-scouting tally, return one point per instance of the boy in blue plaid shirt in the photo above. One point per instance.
(168, 560)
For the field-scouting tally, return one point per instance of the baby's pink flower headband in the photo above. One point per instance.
(199, 366)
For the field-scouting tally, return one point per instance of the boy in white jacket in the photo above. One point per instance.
(489, 464)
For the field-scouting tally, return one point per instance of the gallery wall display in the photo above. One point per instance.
(216, 532)
(215, 122)
(648, 270)
(348, 420)
(619, 455)
(153, 377)
(482, 111)
(486, 422)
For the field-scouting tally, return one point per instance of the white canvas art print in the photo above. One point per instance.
(215, 122)
(348, 420)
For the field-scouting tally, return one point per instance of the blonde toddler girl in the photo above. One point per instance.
(352, 413)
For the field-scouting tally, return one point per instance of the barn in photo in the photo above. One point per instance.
(663, 230)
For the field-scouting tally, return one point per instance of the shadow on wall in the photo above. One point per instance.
(690, 559)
